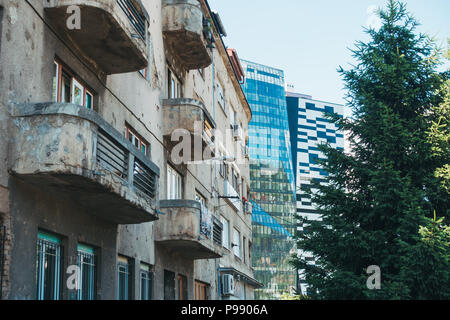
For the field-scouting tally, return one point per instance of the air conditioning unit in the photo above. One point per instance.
(237, 132)
(227, 285)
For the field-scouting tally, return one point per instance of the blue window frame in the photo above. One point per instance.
(146, 277)
(49, 267)
(123, 279)
(88, 275)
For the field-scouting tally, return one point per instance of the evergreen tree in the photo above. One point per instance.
(379, 194)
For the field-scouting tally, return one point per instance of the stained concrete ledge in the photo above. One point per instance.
(189, 115)
(55, 147)
(193, 103)
(179, 230)
(106, 34)
(183, 33)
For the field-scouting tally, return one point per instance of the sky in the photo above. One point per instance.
(310, 39)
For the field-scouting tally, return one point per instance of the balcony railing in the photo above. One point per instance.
(113, 34)
(136, 18)
(105, 172)
(189, 229)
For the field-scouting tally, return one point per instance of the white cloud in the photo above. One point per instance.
(373, 20)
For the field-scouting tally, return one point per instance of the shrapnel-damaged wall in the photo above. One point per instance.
(36, 197)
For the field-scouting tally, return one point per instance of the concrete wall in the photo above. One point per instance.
(28, 49)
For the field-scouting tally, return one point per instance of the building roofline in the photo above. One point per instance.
(263, 65)
(305, 97)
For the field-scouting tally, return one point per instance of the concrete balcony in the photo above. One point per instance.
(185, 33)
(112, 33)
(73, 152)
(188, 122)
(189, 230)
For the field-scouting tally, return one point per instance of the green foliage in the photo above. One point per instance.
(430, 257)
(379, 194)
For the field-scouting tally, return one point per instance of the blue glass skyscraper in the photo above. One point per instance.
(272, 180)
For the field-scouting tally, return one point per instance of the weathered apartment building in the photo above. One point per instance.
(96, 98)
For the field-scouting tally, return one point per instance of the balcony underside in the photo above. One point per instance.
(183, 33)
(61, 147)
(90, 193)
(189, 48)
(106, 37)
(189, 249)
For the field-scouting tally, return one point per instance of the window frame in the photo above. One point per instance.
(175, 86)
(128, 276)
(175, 185)
(225, 232)
(182, 287)
(145, 277)
(201, 291)
(135, 136)
(85, 251)
(238, 245)
(75, 82)
(46, 241)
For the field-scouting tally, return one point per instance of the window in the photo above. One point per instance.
(200, 198)
(220, 96)
(174, 86)
(169, 285)
(146, 278)
(182, 288)
(49, 267)
(233, 120)
(87, 265)
(174, 184)
(235, 178)
(123, 279)
(244, 240)
(201, 291)
(222, 165)
(237, 243)
(137, 141)
(225, 232)
(68, 89)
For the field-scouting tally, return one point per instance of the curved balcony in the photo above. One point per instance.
(184, 33)
(74, 152)
(188, 129)
(188, 230)
(112, 33)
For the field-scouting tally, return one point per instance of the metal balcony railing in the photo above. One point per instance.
(136, 18)
(111, 155)
(144, 180)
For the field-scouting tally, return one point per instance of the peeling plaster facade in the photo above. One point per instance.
(51, 179)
